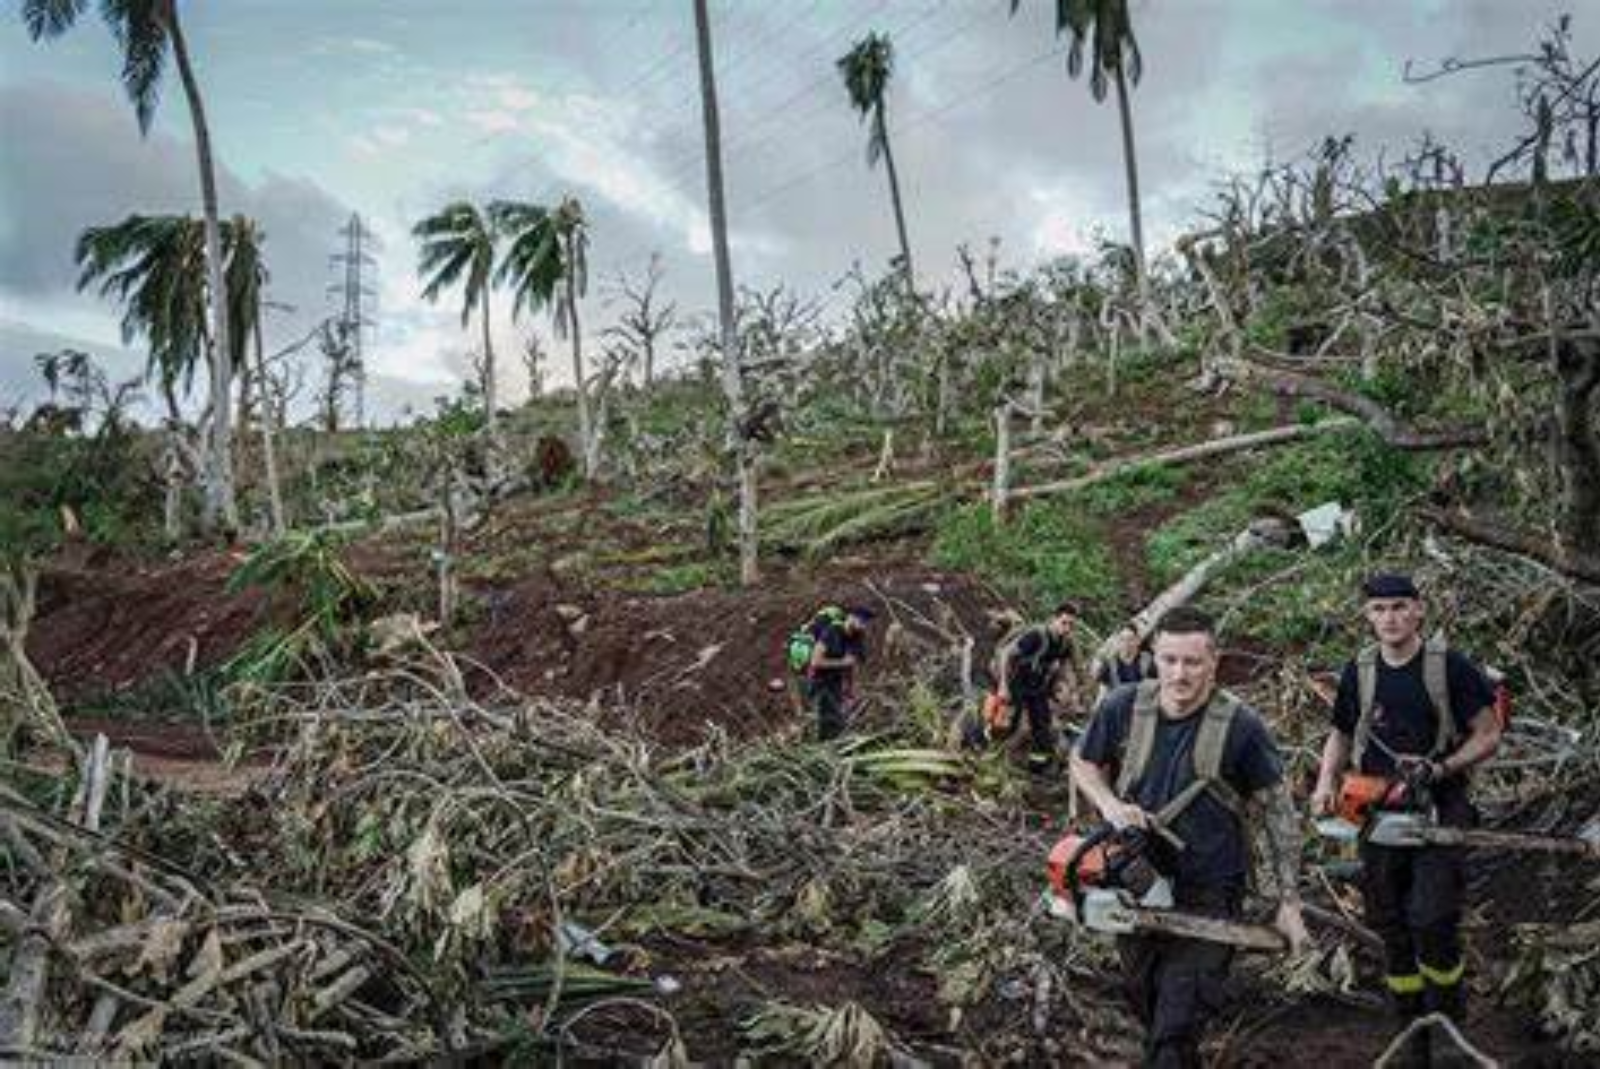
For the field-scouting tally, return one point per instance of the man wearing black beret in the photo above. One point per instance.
(1411, 707)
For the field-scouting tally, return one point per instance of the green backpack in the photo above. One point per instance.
(797, 651)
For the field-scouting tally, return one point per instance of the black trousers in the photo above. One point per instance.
(1177, 985)
(1412, 898)
(827, 698)
(1035, 705)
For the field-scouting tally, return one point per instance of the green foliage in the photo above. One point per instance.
(306, 574)
(679, 578)
(97, 477)
(819, 524)
(1293, 600)
(1132, 490)
(1279, 310)
(1357, 470)
(306, 567)
(169, 694)
(1047, 552)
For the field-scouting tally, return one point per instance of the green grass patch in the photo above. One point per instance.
(680, 578)
(1132, 490)
(1048, 551)
(1357, 470)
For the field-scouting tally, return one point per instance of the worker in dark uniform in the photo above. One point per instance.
(1028, 666)
(1411, 708)
(840, 649)
(1181, 756)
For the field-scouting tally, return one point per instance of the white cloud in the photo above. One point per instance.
(369, 44)
(518, 99)
(493, 122)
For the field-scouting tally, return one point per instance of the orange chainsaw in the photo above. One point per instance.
(1104, 882)
(1398, 811)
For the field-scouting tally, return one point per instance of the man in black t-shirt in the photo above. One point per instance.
(1388, 721)
(1028, 665)
(1179, 754)
(840, 648)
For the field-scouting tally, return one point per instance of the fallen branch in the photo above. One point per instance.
(1384, 423)
(1544, 549)
(1238, 443)
(21, 1007)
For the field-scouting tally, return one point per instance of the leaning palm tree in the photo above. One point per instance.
(546, 263)
(866, 69)
(145, 30)
(739, 443)
(458, 245)
(154, 267)
(1107, 29)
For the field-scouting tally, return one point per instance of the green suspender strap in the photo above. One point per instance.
(1208, 750)
(1435, 658)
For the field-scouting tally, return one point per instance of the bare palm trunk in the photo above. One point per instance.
(894, 196)
(580, 374)
(269, 453)
(1130, 164)
(219, 495)
(732, 377)
(490, 398)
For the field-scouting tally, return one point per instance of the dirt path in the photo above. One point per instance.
(179, 754)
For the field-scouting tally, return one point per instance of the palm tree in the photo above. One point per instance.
(547, 264)
(146, 29)
(1106, 27)
(458, 245)
(154, 266)
(732, 375)
(867, 68)
(247, 278)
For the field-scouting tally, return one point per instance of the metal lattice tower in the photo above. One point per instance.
(356, 298)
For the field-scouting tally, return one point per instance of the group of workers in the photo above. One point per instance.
(1167, 749)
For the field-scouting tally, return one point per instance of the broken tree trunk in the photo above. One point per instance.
(25, 700)
(1002, 462)
(1187, 454)
(1184, 590)
(21, 1005)
(1383, 422)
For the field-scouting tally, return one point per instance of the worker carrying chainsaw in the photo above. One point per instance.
(1028, 667)
(1415, 716)
(1189, 762)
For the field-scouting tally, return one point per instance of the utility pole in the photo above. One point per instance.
(352, 320)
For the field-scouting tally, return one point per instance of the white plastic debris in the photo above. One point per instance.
(1325, 523)
(579, 942)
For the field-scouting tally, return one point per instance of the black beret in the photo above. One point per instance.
(1390, 585)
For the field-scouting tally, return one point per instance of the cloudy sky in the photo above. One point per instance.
(392, 108)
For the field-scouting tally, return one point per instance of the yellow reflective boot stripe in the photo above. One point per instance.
(1443, 977)
(1405, 985)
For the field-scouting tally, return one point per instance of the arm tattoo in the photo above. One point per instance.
(1281, 823)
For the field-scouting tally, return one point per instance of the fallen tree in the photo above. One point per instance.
(1188, 454)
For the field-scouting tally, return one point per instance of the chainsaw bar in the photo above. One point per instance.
(1110, 912)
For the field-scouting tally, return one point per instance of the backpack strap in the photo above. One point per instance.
(1008, 648)
(1209, 745)
(1366, 697)
(1435, 677)
(1141, 737)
